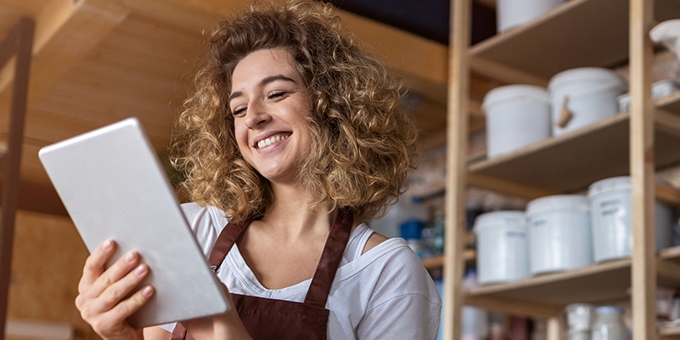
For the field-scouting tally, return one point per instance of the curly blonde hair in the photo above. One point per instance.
(363, 142)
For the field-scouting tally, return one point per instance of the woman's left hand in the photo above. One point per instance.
(223, 326)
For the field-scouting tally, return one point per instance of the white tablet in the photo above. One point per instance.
(113, 186)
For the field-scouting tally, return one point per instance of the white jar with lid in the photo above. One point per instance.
(589, 94)
(608, 324)
(516, 116)
(611, 210)
(502, 250)
(559, 233)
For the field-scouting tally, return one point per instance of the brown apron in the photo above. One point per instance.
(278, 319)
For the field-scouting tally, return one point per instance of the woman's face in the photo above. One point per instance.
(270, 105)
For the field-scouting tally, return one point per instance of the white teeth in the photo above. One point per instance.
(271, 140)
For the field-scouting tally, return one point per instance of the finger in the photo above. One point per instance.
(132, 304)
(116, 292)
(93, 307)
(95, 264)
(113, 320)
(113, 274)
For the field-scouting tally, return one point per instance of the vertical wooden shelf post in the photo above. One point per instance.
(456, 140)
(18, 43)
(642, 170)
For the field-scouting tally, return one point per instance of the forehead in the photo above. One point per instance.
(261, 64)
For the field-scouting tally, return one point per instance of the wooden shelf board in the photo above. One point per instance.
(598, 282)
(670, 331)
(575, 160)
(670, 103)
(670, 254)
(606, 281)
(555, 41)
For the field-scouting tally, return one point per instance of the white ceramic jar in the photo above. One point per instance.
(516, 116)
(502, 251)
(588, 93)
(611, 215)
(511, 13)
(559, 233)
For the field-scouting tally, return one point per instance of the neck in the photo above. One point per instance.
(291, 217)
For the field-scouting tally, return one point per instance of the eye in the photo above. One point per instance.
(238, 111)
(276, 94)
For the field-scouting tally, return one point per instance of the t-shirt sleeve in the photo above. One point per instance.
(206, 222)
(404, 304)
(410, 316)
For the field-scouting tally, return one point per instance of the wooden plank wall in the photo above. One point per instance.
(46, 267)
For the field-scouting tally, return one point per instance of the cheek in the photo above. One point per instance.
(241, 135)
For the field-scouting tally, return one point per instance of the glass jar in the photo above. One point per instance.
(579, 317)
(608, 324)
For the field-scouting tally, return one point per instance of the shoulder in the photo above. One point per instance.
(203, 214)
(374, 240)
(206, 222)
(403, 301)
(392, 268)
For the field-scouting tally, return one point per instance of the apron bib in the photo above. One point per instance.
(278, 319)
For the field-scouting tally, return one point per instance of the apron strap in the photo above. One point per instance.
(225, 241)
(320, 287)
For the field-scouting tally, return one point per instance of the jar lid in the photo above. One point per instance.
(506, 92)
(608, 310)
(495, 219)
(609, 184)
(586, 73)
(558, 203)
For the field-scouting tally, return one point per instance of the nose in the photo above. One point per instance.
(256, 114)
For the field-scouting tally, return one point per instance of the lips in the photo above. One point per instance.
(265, 142)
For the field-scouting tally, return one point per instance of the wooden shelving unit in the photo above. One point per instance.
(579, 33)
(575, 160)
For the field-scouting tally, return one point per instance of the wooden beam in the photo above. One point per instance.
(22, 42)
(195, 16)
(422, 63)
(66, 31)
(456, 165)
(643, 273)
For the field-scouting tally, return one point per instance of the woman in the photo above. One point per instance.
(293, 138)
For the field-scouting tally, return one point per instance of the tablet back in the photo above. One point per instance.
(113, 186)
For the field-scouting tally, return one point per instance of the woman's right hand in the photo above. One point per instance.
(101, 292)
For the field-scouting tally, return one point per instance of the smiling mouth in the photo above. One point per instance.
(271, 140)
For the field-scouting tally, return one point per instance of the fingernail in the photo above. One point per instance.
(130, 257)
(107, 245)
(147, 291)
(140, 269)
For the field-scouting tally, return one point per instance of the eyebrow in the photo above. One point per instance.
(262, 83)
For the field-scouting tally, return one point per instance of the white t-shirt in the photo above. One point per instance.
(385, 293)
